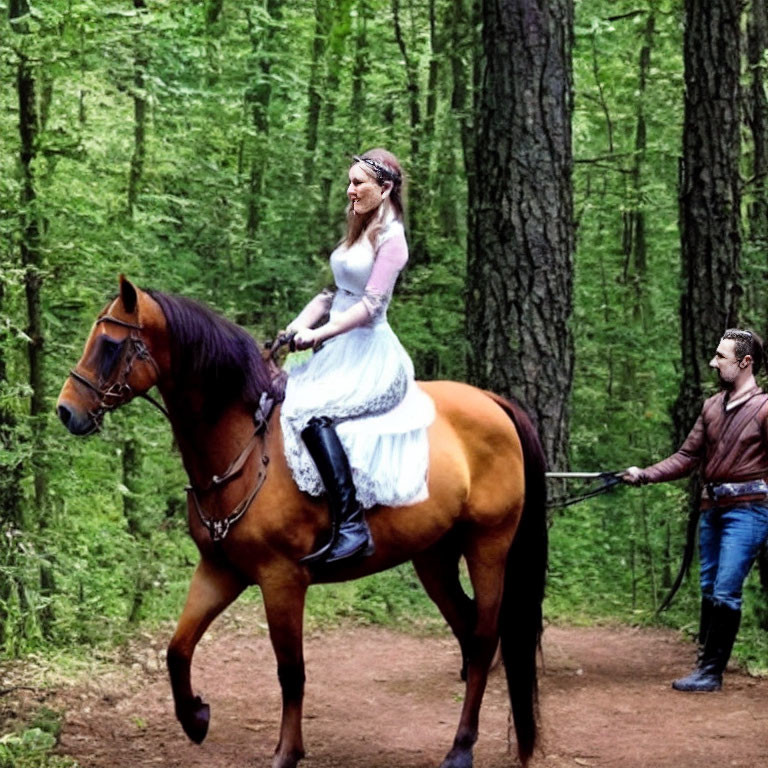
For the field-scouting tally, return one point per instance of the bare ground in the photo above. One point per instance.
(376, 698)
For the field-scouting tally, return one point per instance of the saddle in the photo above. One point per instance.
(277, 375)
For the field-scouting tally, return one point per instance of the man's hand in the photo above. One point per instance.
(632, 475)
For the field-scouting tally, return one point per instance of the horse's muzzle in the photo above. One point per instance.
(76, 423)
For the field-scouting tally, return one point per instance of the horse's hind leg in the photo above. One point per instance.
(486, 559)
(438, 570)
(211, 590)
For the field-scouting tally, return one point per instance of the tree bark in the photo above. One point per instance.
(360, 69)
(133, 518)
(419, 163)
(521, 237)
(411, 79)
(338, 35)
(314, 89)
(634, 242)
(757, 212)
(140, 62)
(10, 488)
(757, 202)
(257, 98)
(10, 476)
(30, 249)
(465, 69)
(213, 28)
(709, 194)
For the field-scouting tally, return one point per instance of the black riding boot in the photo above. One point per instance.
(708, 676)
(705, 620)
(349, 531)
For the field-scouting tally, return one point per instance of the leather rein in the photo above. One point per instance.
(120, 392)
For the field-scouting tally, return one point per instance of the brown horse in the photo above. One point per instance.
(252, 525)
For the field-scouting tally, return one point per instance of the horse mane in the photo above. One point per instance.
(214, 354)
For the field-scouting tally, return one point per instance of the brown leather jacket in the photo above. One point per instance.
(728, 446)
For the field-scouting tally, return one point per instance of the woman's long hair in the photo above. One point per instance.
(392, 207)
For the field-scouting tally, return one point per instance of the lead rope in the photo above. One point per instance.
(607, 482)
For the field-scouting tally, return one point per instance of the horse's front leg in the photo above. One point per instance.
(284, 590)
(211, 590)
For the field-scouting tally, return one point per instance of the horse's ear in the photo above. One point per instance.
(128, 294)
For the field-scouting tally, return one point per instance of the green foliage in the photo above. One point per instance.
(231, 208)
(238, 204)
(32, 749)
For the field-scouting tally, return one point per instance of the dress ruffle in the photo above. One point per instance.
(363, 381)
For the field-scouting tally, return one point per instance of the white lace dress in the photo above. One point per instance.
(363, 380)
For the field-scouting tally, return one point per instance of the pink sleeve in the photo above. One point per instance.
(391, 257)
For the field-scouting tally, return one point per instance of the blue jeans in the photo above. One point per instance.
(729, 539)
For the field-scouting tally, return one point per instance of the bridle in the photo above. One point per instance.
(120, 391)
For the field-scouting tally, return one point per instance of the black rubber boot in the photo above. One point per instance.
(350, 534)
(705, 620)
(708, 676)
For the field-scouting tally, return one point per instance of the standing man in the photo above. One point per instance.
(729, 445)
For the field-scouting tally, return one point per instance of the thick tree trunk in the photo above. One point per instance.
(756, 199)
(709, 194)
(757, 210)
(521, 232)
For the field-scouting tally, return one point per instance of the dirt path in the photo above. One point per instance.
(381, 699)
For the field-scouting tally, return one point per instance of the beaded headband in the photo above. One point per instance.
(382, 172)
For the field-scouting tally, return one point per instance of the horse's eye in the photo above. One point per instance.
(109, 354)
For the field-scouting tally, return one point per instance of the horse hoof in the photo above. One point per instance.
(458, 759)
(291, 760)
(195, 721)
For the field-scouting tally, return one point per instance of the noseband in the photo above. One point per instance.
(120, 392)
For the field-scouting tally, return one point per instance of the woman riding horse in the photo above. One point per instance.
(355, 402)
(252, 524)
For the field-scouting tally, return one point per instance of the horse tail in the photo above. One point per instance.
(520, 618)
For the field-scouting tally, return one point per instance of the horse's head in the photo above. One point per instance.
(122, 359)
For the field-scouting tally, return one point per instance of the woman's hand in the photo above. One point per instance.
(292, 327)
(306, 338)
